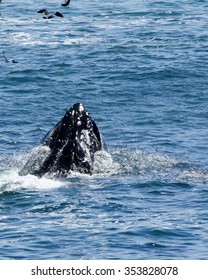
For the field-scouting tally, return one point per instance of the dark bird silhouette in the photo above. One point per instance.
(8, 60)
(47, 15)
(67, 2)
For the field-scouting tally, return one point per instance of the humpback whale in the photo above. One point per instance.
(69, 146)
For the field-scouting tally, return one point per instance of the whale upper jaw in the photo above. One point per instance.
(71, 144)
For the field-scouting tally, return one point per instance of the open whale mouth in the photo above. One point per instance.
(72, 143)
(75, 148)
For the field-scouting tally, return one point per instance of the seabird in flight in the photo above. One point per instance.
(47, 15)
(8, 60)
(67, 2)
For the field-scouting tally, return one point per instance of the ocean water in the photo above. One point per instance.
(140, 68)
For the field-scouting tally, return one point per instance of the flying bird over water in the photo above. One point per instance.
(8, 60)
(47, 15)
(67, 2)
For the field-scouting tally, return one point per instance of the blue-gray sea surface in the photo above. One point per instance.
(141, 70)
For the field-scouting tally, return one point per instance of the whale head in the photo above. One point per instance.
(72, 143)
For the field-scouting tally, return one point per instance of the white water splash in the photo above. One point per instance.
(104, 164)
(137, 164)
(10, 181)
